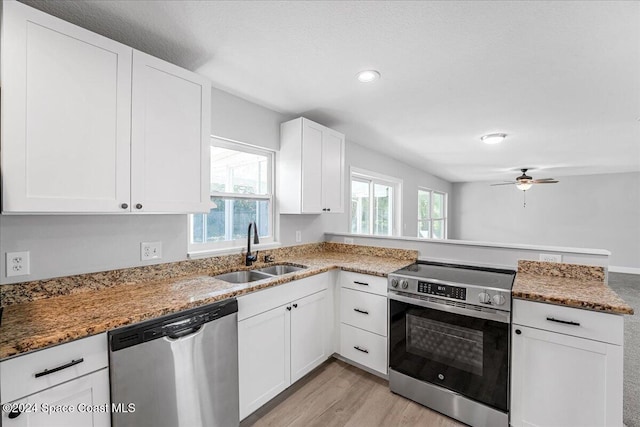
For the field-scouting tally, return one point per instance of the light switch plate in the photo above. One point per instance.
(150, 250)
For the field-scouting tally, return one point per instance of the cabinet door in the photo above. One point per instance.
(169, 138)
(333, 172)
(560, 380)
(308, 334)
(311, 167)
(85, 399)
(66, 110)
(263, 357)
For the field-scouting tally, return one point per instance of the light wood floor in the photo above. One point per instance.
(338, 394)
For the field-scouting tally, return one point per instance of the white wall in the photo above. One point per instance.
(593, 211)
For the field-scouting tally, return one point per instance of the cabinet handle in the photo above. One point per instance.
(518, 331)
(14, 414)
(360, 311)
(289, 308)
(324, 209)
(361, 283)
(565, 322)
(295, 305)
(139, 206)
(328, 209)
(59, 368)
(361, 349)
(124, 206)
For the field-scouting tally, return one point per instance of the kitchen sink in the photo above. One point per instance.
(247, 276)
(278, 270)
(243, 276)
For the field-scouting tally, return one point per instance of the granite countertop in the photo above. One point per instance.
(571, 285)
(35, 324)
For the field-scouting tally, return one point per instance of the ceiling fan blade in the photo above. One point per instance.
(545, 179)
(543, 182)
(502, 183)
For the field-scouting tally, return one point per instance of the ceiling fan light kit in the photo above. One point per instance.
(525, 182)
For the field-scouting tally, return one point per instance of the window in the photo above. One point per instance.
(242, 192)
(432, 214)
(375, 204)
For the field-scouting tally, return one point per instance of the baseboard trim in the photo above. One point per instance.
(627, 270)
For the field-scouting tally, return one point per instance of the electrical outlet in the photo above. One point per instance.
(298, 236)
(550, 257)
(348, 240)
(18, 264)
(150, 250)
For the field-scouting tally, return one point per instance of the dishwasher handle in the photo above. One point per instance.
(183, 332)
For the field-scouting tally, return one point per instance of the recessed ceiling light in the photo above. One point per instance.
(493, 138)
(368, 76)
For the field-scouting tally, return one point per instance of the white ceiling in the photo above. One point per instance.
(561, 78)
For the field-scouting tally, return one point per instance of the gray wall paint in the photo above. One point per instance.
(594, 211)
(62, 245)
(489, 255)
(361, 157)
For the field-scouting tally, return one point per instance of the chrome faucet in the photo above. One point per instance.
(250, 259)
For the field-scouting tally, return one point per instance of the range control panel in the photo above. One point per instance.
(448, 291)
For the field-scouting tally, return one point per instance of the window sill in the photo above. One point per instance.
(230, 251)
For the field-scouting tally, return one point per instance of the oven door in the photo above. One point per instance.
(446, 344)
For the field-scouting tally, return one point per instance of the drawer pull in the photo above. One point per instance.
(361, 349)
(59, 368)
(566, 322)
(360, 311)
(361, 283)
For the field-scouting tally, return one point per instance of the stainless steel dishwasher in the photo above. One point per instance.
(179, 370)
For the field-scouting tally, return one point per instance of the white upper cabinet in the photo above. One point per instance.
(66, 111)
(311, 168)
(78, 137)
(170, 131)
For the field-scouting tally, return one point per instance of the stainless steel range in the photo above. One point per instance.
(449, 339)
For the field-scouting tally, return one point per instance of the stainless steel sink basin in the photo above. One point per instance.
(278, 270)
(242, 276)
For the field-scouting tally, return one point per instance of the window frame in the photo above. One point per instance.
(373, 178)
(430, 219)
(232, 245)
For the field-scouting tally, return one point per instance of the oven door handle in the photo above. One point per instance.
(497, 316)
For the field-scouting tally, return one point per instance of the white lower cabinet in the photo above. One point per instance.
(364, 320)
(284, 332)
(559, 377)
(66, 385)
(83, 402)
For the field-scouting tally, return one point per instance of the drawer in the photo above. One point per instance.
(267, 299)
(363, 282)
(363, 310)
(18, 375)
(593, 325)
(364, 347)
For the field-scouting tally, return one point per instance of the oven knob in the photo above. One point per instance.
(484, 298)
(498, 299)
(405, 284)
(394, 283)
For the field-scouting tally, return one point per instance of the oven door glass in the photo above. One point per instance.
(461, 353)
